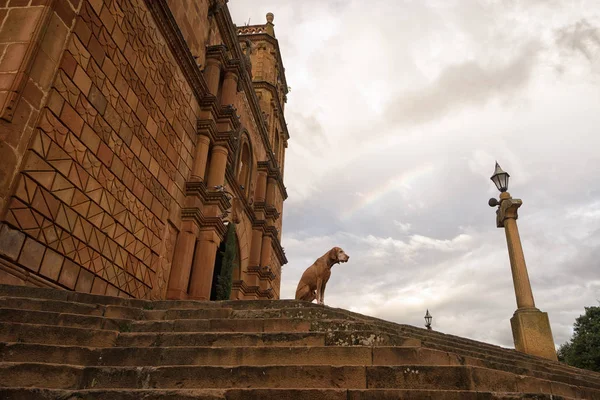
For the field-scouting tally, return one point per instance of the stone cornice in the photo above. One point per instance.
(263, 272)
(207, 127)
(267, 293)
(218, 52)
(245, 289)
(203, 222)
(271, 212)
(271, 88)
(193, 188)
(172, 34)
(259, 224)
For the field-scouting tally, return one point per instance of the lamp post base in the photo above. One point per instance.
(532, 333)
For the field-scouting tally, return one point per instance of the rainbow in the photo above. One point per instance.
(405, 180)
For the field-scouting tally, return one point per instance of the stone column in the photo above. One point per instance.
(531, 329)
(261, 187)
(182, 261)
(200, 158)
(520, 276)
(271, 187)
(265, 259)
(212, 74)
(204, 266)
(255, 251)
(265, 251)
(218, 163)
(229, 91)
(256, 247)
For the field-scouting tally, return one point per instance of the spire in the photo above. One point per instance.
(269, 27)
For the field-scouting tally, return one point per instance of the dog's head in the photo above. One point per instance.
(337, 255)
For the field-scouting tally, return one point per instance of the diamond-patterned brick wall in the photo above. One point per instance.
(33, 34)
(192, 18)
(101, 186)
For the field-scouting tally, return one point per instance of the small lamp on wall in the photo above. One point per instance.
(428, 319)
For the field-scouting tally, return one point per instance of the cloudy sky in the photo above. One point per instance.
(397, 112)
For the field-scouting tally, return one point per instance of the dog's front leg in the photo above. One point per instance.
(323, 285)
(319, 291)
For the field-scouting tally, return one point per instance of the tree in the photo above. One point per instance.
(228, 265)
(583, 350)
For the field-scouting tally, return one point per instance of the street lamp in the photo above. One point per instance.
(530, 327)
(500, 178)
(428, 319)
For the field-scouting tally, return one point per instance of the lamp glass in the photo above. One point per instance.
(428, 318)
(500, 179)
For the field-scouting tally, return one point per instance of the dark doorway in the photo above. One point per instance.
(217, 271)
(227, 263)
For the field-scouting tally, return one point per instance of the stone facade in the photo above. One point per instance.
(131, 133)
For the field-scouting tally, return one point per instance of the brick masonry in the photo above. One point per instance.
(107, 158)
(97, 141)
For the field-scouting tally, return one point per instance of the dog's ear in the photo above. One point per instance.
(333, 253)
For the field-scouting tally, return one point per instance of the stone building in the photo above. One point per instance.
(131, 133)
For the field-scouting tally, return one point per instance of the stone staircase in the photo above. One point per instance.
(72, 346)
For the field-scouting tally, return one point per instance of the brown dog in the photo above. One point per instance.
(314, 279)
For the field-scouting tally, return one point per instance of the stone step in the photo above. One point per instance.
(148, 312)
(438, 338)
(484, 351)
(132, 315)
(417, 377)
(56, 306)
(473, 348)
(356, 338)
(8, 315)
(264, 394)
(63, 295)
(59, 335)
(158, 322)
(154, 315)
(223, 356)
(95, 300)
(184, 333)
(550, 370)
(40, 334)
(33, 334)
(111, 311)
(220, 325)
(223, 339)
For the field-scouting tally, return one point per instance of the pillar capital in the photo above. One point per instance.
(507, 209)
(213, 62)
(232, 75)
(220, 149)
(189, 226)
(209, 235)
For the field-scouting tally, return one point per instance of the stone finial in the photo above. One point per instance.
(269, 28)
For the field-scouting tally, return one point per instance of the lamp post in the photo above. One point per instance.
(530, 327)
(428, 319)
